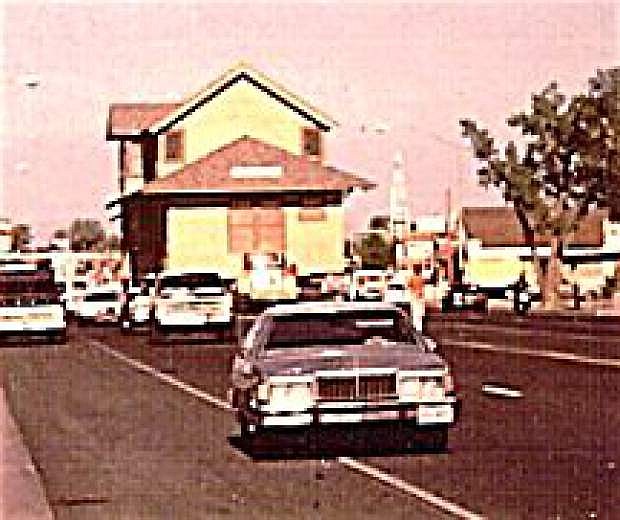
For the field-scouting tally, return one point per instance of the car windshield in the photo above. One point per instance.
(101, 297)
(27, 283)
(191, 281)
(301, 330)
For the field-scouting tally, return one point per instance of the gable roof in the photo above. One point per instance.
(499, 227)
(243, 72)
(212, 172)
(130, 119)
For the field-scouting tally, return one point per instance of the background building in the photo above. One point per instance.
(234, 173)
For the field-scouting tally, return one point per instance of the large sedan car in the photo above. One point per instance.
(323, 363)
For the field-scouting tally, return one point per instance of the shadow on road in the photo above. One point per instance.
(330, 443)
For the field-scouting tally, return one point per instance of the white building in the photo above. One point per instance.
(6, 240)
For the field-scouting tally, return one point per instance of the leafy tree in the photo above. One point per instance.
(60, 234)
(375, 252)
(86, 234)
(20, 236)
(112, 242)
(568, 166)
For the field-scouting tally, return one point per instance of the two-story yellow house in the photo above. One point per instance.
(235, 170)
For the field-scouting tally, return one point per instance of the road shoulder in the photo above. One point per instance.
(21, 492)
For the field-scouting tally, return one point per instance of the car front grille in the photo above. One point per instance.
(372, 387)
(337, 388)
(363, 387)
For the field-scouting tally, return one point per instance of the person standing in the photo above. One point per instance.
(416, 295)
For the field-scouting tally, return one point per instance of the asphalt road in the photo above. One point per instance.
(113, 442)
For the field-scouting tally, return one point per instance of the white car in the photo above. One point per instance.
(191, 302)
(368, 284)
(100, 304)
(321, 363)
(397, 293)
(30, 303)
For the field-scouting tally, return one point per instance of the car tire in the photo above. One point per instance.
(59, 338)
(438, 440)
(157, 334)
(250, 437)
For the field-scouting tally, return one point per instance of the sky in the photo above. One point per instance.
(410, 69)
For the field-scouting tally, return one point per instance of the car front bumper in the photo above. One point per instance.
(176, 319)
(428, 414)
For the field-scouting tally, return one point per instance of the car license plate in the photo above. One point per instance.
(380, 415)
(432, 414)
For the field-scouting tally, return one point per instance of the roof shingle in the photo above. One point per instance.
(212, 172)
(132, 118)
(499, 227)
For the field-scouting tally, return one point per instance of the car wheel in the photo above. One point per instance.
(126, 326)
(157, 334)
(59, 338)
(438, 440)
(250, 436)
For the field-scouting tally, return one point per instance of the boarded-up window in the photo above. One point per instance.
(174, 146)
(270, 230)
(256, 230)
(311, 142)
(240, 230)
(312, 215)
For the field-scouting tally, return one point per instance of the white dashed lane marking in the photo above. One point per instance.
(166, 378)
(548, 354)
(352, 464)
(501, 391)
(514, 331)
(410, 489)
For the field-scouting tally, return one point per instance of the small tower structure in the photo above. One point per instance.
(400, 220)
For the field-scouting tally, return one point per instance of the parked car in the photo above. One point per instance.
(30, 302)
(397, 293)
(100, 304)
(464, 297)
(321, 363)
(198, 301)
(368, 284)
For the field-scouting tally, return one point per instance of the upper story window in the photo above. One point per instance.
(311, 142)
(175, 146)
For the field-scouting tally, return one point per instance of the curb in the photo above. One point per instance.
(22, 495)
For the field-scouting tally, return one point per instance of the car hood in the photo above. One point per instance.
(307, 360)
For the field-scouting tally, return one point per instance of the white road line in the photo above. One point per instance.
(513, 331)
(347, 462)
(173, 381)
(549, 354)
(501, 391)
(410, 489)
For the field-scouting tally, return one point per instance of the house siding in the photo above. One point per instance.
(240, 110)
(316, 246)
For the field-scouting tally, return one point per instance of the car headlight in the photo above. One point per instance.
(431, 345)
(422, 387)
(289, 394)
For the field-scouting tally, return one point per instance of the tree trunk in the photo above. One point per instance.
(552, 276)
